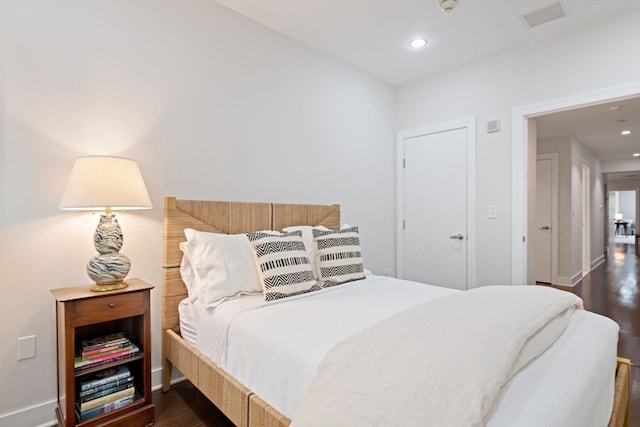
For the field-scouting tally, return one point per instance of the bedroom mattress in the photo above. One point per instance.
(274, 349)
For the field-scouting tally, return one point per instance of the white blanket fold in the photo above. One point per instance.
(441, 363)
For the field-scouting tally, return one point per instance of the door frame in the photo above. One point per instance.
(555, 216)
(470, 124)
(519, 161)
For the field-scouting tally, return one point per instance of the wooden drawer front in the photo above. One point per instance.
(109, 307)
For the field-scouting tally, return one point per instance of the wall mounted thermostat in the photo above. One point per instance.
(493, 126)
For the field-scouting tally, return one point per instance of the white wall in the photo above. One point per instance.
(580, 155)
(627, 204)
(212, 105)
(597, 56)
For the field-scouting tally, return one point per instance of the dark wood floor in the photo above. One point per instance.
(611, 290)
(185, 406)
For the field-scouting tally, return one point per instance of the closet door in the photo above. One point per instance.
(436, 209)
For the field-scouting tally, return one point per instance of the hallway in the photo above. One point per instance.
(612, 290)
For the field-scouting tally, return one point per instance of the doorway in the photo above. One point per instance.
(522, 163)
(622, 216)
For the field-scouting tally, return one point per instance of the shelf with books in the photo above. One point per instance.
(99, 366)
(104, 408)
(104, 364)
(105, 379)
(104, 349)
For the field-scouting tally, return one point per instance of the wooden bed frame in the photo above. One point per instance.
(243, 407)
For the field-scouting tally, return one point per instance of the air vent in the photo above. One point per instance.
(546, 14)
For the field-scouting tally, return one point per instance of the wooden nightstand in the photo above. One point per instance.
(81, 315)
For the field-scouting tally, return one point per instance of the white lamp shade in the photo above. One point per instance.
(618, 217)
(98, 182)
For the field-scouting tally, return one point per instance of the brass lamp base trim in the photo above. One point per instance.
(109, 287)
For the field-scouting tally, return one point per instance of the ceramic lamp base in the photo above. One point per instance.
(109, 268)
(109, 287)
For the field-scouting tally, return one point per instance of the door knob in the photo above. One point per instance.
(457, 236)
(545, 227)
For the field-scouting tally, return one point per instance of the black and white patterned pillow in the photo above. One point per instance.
(283, 264)
(338, 256)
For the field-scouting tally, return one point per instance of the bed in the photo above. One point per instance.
(242, 400)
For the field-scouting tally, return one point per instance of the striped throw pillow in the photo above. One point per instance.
(338, 256)
(283, 264)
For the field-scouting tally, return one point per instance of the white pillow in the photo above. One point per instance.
(283, 264)
(187, 272)
(338, 256)
(222, 264)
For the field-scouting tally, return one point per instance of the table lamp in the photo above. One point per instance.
(618, 217)
(100, 183)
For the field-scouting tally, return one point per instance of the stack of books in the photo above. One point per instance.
(104, 349)
(104, 391)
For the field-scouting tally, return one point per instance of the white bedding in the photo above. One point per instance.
(248, 338)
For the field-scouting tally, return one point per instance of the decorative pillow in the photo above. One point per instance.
(283, 264)
(338, 256)
(307, 238)
(222, 265)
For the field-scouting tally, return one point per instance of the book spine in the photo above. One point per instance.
(111, 350)
(104, 340)
(105, 392)
(98, 346)
(103, 409)
(112, 384)
(85, 406)
(110, 347)
(95, 383)
(81, 363)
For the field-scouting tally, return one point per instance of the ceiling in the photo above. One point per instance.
(598, 128)
(374, 36)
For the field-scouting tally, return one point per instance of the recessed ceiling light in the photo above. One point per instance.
(614, 108)
(625, 132)
(418, 43)
(636, 154)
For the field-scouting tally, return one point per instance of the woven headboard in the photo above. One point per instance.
(228, 218)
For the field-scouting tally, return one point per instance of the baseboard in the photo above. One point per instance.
(43, 414)
(596, 262)
(570, 281)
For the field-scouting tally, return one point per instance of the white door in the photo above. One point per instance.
(435, 209)
(586, 220)
(544, 220)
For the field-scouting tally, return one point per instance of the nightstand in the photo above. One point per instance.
(82, 315)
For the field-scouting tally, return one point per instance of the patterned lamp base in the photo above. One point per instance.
(110, 267)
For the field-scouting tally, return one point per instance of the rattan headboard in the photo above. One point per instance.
(229, 218)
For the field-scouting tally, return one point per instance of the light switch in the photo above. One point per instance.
(492, 212)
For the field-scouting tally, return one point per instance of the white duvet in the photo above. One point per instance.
(275, 348)
(441, 363)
